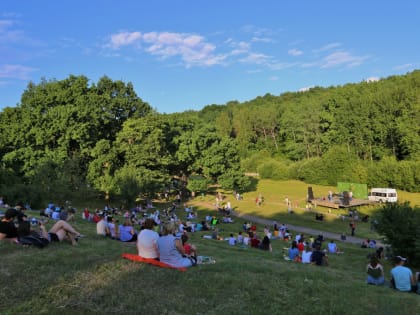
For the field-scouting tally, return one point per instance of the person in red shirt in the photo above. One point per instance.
(189, 249)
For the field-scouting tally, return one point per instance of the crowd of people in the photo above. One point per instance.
(165, 237)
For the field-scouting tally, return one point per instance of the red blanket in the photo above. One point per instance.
(150, 261)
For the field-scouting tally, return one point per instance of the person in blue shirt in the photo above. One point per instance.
(293, 251)
(402, 277)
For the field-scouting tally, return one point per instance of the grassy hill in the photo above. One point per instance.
(92, 278)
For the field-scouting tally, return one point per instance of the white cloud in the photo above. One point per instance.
(124, 39)
(295, 52)
(305, 89)
(193, 49)
(15, 72)
(256, 58)
(342, 58)
(407, 66)
(372, 79)
(7, 34)
(327, 47)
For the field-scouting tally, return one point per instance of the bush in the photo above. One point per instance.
(400, 224)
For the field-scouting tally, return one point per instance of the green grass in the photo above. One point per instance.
(92, 278)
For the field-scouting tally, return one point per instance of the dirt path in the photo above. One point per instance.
(300, 229)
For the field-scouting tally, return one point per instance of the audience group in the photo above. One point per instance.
(167, 239)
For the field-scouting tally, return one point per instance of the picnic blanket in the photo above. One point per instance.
(150, 261)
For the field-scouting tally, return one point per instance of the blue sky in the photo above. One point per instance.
(186, 54)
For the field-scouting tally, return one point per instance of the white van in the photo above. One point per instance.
(383, 195)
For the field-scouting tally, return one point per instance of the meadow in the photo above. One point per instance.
(92, 278)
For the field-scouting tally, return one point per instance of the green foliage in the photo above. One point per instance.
(273, 169)
(197, 184)
(400, 224)
(234, 180)
(251, 163)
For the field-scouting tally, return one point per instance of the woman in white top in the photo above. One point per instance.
(147, 240)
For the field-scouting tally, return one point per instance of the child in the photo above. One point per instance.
(189, 249)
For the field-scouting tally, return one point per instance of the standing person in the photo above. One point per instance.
(171, 250)
(147, 240)
(352, 227)
(402, 277)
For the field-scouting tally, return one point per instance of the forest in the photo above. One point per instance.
(70, 138)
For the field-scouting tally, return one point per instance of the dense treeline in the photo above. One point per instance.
(67, 137)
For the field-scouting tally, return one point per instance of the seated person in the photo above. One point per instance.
(375, 272)
(402, 277)
(306, 255)
(247, 239)
(147, 240)
(232, 240)
(318, 257)
(8, 230)
(171, 250)
(293, 252)
(255, 242)
(332, 248)
(127, 232)
(114, 232)
(190, 249)
(102, 226)
(266, 244)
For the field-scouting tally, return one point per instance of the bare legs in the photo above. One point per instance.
(64, 230)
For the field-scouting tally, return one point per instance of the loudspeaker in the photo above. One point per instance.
(346, 198)
(310, 194)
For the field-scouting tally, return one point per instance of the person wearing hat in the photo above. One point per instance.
(8, 229)
(402, 277)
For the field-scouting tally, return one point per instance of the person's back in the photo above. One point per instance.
(306, 255)
(127, 233)
(401, 275)
(168, 251)
(332, 247)
(147, 241)
(101, 227)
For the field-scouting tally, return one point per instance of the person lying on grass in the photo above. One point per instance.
(60, 231)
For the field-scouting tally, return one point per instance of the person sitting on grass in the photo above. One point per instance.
(266, 244)
(402, 277)
(332, 248)
(232, 240)
(171, 251)
(318, 257)
(147, 240)
(127, 232)
(306, 255)
(8, 230)
(375, 272)
(293, 252)
(190, 249)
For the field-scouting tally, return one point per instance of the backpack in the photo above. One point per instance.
(34, 239)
